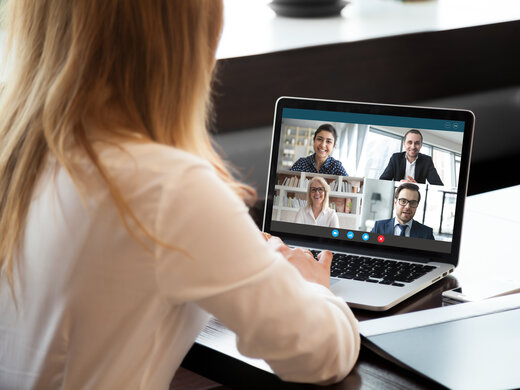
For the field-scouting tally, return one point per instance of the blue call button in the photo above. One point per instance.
(335, 233)
(365, 236)
(350, 235)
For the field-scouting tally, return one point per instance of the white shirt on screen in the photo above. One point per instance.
(327, 217)
(410, 169)
(397, 228)
(97, 310)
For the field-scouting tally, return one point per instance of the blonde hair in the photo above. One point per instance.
(146, 66)
(325, 185)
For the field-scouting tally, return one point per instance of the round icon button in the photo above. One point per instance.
(365, 236)
(335, 233)
(350, 235)
(381, 238)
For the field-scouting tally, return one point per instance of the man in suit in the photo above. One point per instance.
(407, 198)
(410, 165)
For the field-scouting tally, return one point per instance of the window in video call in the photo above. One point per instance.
(363, 177)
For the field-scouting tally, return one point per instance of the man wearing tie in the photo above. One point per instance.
(407, 198)
(410, 165)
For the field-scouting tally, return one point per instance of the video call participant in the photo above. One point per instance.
(317, 212)
(410, 165)
(321, 161)
(407, 198)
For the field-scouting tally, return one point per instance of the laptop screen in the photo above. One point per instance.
(355, 175)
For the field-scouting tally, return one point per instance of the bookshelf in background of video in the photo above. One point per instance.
(346, 196)
(296, 143)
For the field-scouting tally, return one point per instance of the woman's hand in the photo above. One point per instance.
(304, 261)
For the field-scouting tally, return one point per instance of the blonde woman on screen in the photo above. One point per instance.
(317, 211)
(120, 226)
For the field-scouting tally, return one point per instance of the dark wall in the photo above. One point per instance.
(405, 69)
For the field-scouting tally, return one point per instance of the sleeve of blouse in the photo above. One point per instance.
(341, 169)
(298, 165)
(334, 220)
(299, 216)
(303, 331)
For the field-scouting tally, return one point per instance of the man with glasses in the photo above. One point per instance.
(407, 198)
(410, 165)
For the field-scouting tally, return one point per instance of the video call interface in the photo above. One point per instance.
(383, 180)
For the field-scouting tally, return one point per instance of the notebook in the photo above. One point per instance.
(466, 346)
(335, 169)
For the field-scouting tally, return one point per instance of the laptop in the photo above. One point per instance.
(390, 238)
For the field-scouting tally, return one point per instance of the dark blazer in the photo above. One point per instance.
(424, 169)
(386, 226)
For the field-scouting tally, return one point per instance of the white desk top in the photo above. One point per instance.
(490, 235)
(251, 27)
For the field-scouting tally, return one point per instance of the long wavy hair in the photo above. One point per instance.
(143, 65)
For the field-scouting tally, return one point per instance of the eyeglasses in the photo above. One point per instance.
(317, 189)
(413, 203)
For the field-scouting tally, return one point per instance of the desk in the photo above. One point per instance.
(490, 232)
(252, 28)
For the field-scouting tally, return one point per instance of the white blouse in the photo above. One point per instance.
(326, 217)
(97, 310)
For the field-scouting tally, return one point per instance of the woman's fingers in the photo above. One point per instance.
(278, 245)
(325, 258)
(304, 261)
(312, 270)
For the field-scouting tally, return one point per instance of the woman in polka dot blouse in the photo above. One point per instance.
(321, 161)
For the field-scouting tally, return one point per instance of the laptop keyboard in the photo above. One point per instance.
(373, 270)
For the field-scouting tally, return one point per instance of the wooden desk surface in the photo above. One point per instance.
(492, 225)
